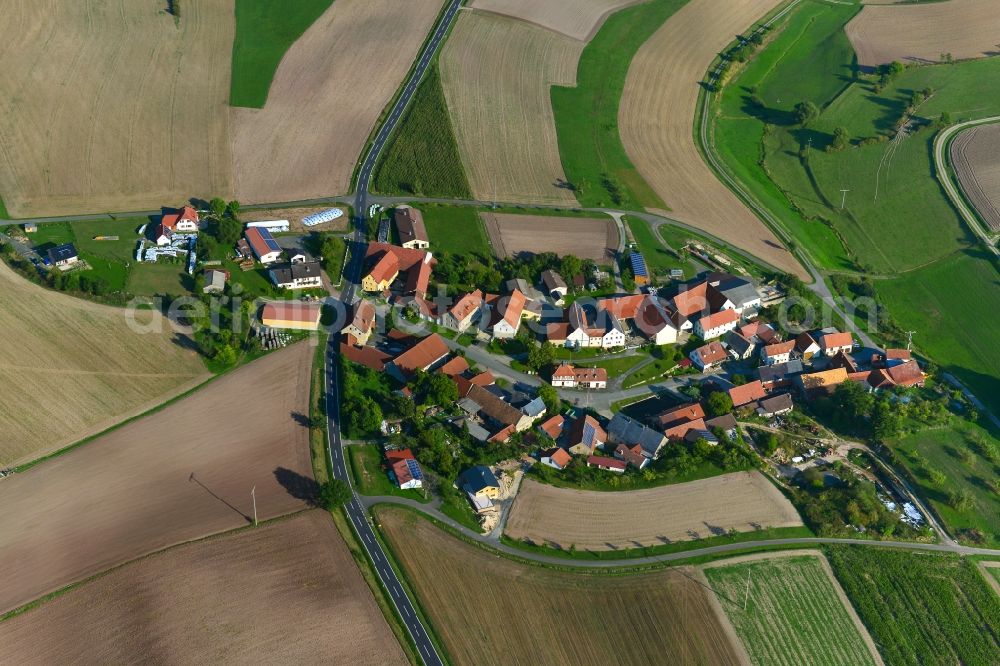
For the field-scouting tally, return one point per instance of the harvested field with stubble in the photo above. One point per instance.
(922, 32)
(796, 612)
(578, 19)
(975, 156)
(583, 237)
(179, 474)
(286, 592)
(111, 105)
(601, 521)
(492, 610)
(655, 117)
(326, 97)
(496, 73)
(70, 368)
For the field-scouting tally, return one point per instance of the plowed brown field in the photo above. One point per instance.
(579, 19)
(179, 474)
(325, 99)
(491, 610)
(69, 368)
(111, 105)
(921, 33)
(656, 114)
(583, 237)
(287, 592)
(975, 154)
(594, 520)
(496, 73)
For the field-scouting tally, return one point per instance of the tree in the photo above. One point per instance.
(841, 139)
(225, 355)
(217, 207)
(570, 266)
(550, 397)
(718, 403)
(945, 119)
(333, 494)
(805, 113)
(233, 209)
(887, 422)
(540, 356)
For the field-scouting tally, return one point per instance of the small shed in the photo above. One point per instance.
(30, 227)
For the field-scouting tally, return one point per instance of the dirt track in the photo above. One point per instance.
(579, 19)
(656, 116)
(921, 33)
(326, 97)
(132, 491)
(110, 105)
(974, 154)
(594, 520)
(287, 592)
(496, 73)
(583, 237)
(70, 368)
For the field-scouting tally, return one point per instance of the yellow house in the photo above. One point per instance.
(292, 314)
(479, 482)
(382, 274)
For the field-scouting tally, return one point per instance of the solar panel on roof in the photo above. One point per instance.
(414, 469)
(638, 264)
(268, 239)
(588, 433)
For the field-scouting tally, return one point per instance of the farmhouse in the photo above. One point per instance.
(806, 346)
(834, 342)
(744, 395)
(362, 321)
(162, 234)
(381, 274)
(586, 328)
(740, 294)
(906, 374)
(715, 325)
(586, 435)
(424, 355)
(843, 360)
(647, 315)
(624, 430)
(708, 356)
(554, 285)
(385, 262)
(305, 275)
(499, 412)
(411, 229)
(631, 455)
(566, 376)
(607, 464)
(890, 357)
(682, 414)
(681, 430)
(760, 332)
(291, 314)
(184, 220)
(215, 281)
(507, 311)
(738, 347)
(775, 405)
(777, 352)
(63, 256)
(556, 457)
(463, 313)
(366, 356)
(263, 245)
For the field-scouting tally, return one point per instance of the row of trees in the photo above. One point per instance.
(462, 272)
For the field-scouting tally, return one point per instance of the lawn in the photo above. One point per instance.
(422, 157)
(659, 259)
(788, 596)
(956, 451)
(587, 115)
(650, 372)
(489, 609)
(455, 229)
(370, 477)
(160, 278)
(921, 608)
(264, 31)
(616, 366)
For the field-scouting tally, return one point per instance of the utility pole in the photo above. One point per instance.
(843, 198)
(746, 597)
(253, 496)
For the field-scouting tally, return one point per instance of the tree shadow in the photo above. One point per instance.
(300, 418)
(210, 492)
(297, 485)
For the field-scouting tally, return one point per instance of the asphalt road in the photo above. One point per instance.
(335, 450)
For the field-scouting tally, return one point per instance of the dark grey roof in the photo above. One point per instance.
(725, 422)
(288, 272)
(775, 403)
(770, 373)
(627, 430)
(553, 280)
(475, 479)
(737, 343)
(62, 253)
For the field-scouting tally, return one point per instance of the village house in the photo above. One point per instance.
(586, 435)
(307, 275)
(607, 464)
(498, 411)
(385, 262)
(586, 328)
(777, 352)
(463, 313)
(716, 325)
(624, 430)
(291, 314)
(424, 355)
(679, 431)
(63, 256)
(647, 315)
(708, 356)
(890, 357)
(263, 245)
(554, 285)
(806, 346)
(556, 457)
(185, 220)
(834, 342)
(480, 485)
(680, 414)
(369, 357)
(741, 295)
(567, 376)
(906, 374)
(162, 234)
(775, 405)
(816, 384)
(553, 426)
(738, 347)
(747, 393)
(760, 332)
(631, 455)
(506, 315)
(359, 329)
(405, 469)
(411, 229)
(779, 375)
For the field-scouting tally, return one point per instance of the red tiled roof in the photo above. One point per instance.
(255, 236)
(825, 379)
(591, 374)
(455, 366)
(189, 213)
(623, 307)
(559, 456)
(466, 305)
(747, 393)
(170, 220)
(422, 355)
(292, 311)
(557, 331)
(693, 300)
(366, 356)
(718, 319)
(680, 430)
(603, 461)
(393, 456)
(502, 435)
(364, 316)
(897, 354)
(631, 455)
(683, 413)
(564, 371)
(484, 378)
(779, 348)
(553, 426)
(385, 268)
(418, 279)
(402, 471)
(832, 340)
(713, 352)
(512, 306)
(906, 374)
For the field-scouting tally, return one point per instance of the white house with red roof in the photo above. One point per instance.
(777, 352)
(834, 342)
(708, 356)
(716, 325)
